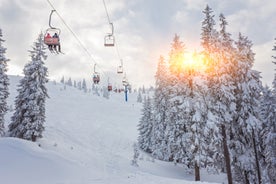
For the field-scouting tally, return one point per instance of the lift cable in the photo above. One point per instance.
(75, 36)
(73, 33)
(116, 45)
(107, 15)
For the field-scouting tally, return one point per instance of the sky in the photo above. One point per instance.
(143, 30)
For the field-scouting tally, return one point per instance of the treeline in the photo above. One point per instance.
(218, 117)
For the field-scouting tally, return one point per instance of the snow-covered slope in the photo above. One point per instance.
(87, 139)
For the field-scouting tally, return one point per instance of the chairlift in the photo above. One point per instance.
(109, 87)
(125, 81)
(96, 76)
(52, 37)
(109, 39)
(120, 68)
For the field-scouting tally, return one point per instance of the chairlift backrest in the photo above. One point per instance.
(109, 87)
(124, 81)
(96, 78)
(50, 39)
(120, 69)
(109, 40)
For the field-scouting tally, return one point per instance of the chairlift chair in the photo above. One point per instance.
(124, 81)
(96, 76)
(52, 40)
(109, 87)
(120, 70)
(109, 39)
(51, 37)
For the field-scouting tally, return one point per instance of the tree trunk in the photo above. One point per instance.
(256, 158)
(246, 177)
(226, 155)
(197, 172)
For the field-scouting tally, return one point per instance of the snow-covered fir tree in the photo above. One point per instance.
(143, 90)
(221, 107)
(160, 109)
(139, 97)
(175, 122)
(69, 82)
(106, 93)
(268, 136)
(83, 86)
(274, 61)
(176, 56)
(79, 85)
(62, 80)
(209, 34)
(28, 119)
(196, 138)
(136, 154)
(268, 112)
(145, 127)
(4, 83)
(246, 124)
(226, 110)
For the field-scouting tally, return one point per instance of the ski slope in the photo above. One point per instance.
(88, 139)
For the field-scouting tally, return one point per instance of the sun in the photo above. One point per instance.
(193, 61)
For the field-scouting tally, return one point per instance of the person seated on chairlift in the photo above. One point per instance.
(47, 37)
(56, 36)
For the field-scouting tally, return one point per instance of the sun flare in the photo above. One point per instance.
(193, 61)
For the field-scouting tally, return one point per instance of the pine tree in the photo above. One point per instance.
(145, 127)
(160, 110)
(218, 53)
(79, 85)
(83, 86)
(227, 87)
(69, 82)
(268, 136)
(136, 154)
(209, 34)
(274, 61)
(62, 80)
(175, 93)
(139, 97)
(4, 83)
(28, 119)
(269, 130)
(143, 90)
(246, 124)
(197, 137)
(176, 56)
(106, 93)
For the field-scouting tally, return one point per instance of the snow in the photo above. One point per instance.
(87, 139)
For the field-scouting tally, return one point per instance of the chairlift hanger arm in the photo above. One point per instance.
(50, 19)
(112, 28)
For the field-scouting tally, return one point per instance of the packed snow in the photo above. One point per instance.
(87, 139)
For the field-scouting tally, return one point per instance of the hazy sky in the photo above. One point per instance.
(144, 30)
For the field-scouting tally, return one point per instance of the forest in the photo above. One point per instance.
(210, 110)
